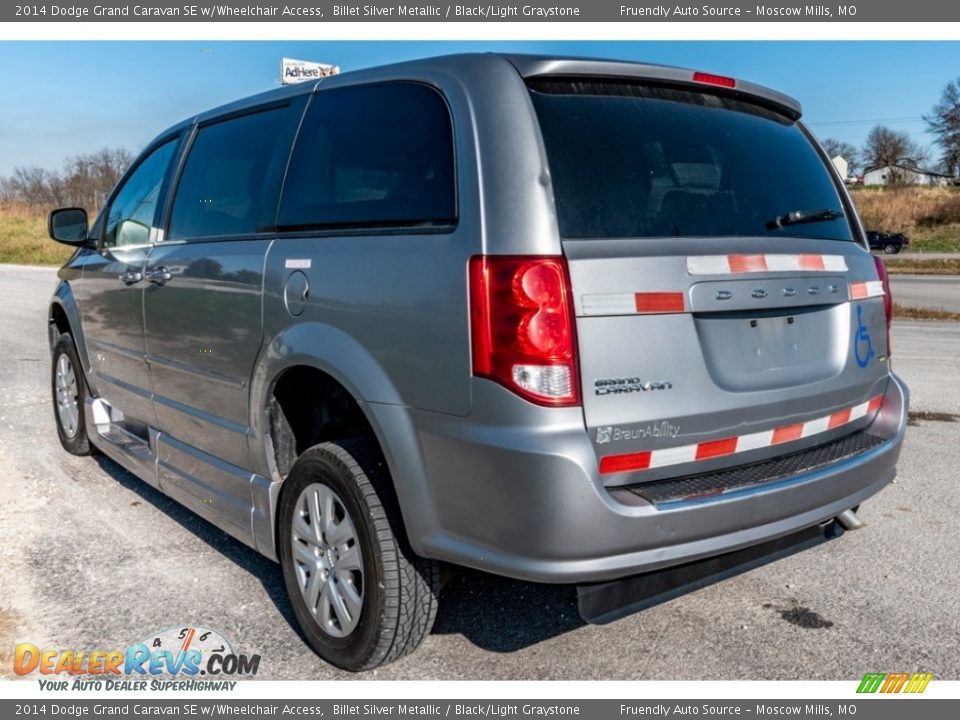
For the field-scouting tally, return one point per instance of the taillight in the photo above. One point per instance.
(711, 79)
(887, 297)
(522, 327)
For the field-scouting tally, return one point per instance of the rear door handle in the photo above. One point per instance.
(129, 276)
(159, 275)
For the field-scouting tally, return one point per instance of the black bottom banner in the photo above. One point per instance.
(880, 708)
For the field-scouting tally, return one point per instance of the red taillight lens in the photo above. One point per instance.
(710, 79)
(887, 297)
(522, 327)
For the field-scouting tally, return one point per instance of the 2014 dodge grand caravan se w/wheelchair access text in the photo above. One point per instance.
(564, 320)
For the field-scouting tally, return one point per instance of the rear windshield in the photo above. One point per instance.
(640, 161)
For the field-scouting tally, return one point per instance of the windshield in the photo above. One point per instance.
(640, 161)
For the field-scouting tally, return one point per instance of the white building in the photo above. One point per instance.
(842, 166)
(904, 174)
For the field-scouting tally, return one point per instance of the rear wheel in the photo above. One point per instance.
(891, 249)
(69, 397)
(361, 596)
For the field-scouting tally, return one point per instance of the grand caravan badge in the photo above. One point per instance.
(622, 386)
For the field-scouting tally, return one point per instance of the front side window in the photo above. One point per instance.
(133, 210)
(372, 156)
(641, 161)
(231, 180)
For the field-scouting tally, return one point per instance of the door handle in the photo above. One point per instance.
(159, 275)
(129, 277)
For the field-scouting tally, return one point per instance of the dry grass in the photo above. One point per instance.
(903, 312)
(24, 239)
(930, 217)
(904, 209)
(906, 265)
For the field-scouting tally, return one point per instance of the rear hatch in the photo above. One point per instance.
(725, 311)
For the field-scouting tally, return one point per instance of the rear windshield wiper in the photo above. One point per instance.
(796, 217)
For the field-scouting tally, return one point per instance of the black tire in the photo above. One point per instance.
(74, 439)
(399, 588)
(891, 249)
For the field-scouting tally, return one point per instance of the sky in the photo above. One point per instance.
(64, 98)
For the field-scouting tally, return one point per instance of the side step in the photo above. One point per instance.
(602, 603)
(107, 433)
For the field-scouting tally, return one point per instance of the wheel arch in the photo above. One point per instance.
(63, 316)
(312, 356)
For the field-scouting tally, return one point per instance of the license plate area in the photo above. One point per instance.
(773, 348)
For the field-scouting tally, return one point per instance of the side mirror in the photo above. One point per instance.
(68, 226)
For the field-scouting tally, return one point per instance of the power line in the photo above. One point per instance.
(865, 121)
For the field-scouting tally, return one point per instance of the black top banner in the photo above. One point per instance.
(563, 11)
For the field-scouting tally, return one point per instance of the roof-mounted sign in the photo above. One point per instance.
(296, 71)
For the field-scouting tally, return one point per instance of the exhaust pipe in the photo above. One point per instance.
(849, 521)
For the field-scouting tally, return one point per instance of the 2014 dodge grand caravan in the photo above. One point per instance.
(564, 320)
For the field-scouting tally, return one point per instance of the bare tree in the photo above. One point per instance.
(31, 185)
(886, 147)
(844, 149)
(108, 166)
(85, 181)
(88, 179)
(944, 122)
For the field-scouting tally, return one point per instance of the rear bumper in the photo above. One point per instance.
(529, 504)
(604, 602)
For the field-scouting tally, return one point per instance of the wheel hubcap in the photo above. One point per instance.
(327, 560)
(65, 381)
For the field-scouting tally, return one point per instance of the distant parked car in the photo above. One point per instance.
(890, 243)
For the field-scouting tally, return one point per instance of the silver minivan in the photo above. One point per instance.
(571, 321)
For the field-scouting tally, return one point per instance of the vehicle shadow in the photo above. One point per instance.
(503, 615)
(493, 613)
(265, 570)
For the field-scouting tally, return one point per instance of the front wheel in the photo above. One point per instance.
(891, 249)
(69, 397)
(361, 596)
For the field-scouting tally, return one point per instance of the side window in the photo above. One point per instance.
(132, 212)
(231, 181)
(372, 156)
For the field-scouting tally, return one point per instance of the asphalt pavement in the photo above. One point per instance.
(938, 292)
(92, 558)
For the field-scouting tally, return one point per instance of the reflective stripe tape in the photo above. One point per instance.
(747, 263)
(740, 264)
(673, 456)
(861, 290)
(612, 304)
(839, 418)
(625, 463)
(659, 302)
(787, 433)
(643, 303)
(716, 448)
(631, 462)
(708, 265)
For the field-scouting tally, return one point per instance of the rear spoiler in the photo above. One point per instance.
(543, 68)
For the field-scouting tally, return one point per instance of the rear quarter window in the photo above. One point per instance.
(372, 156)
(640, 161)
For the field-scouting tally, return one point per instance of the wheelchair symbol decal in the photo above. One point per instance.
(862, 347)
